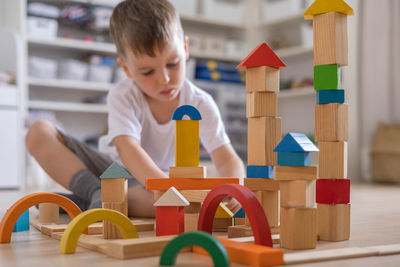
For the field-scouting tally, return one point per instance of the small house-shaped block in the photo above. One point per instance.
(170, 213)
(330, 31)
(295, 150)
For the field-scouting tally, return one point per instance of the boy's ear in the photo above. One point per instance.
(186, 45)
(121, 62)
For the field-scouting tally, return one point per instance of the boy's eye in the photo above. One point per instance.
(148, 72)
(171, 65)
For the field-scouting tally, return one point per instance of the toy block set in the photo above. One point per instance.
(331, 117)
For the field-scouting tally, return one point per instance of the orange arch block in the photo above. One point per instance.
(13, 213)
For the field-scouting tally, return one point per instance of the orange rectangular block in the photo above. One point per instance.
(261, 104)
(295, 173)
(262, 79)
(331, 122)
(187, 183)
(249, 254)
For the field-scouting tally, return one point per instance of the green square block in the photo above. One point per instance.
(327, 77)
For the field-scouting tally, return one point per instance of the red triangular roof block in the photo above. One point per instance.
(262, 55)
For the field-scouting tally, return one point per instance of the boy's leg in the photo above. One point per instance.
(140, 202)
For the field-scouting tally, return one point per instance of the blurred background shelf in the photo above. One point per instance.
(69, 107)
(68, 84)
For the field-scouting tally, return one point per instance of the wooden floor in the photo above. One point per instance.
(375, 220)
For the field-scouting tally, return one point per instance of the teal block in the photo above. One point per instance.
(22, 223)
(330, 96)
(294, 158)
(327, 77)
(240, 214)
(260, 171)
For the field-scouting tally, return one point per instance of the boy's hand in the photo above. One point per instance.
(232, 204)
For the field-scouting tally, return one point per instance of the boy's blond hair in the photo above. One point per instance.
(144, 26)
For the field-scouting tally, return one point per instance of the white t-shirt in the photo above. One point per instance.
(129, 114)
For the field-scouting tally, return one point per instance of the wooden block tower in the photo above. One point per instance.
(298, 228)
(331, 117)
(114, 195)
(264, 127)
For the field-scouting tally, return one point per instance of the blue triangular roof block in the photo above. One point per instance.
(115, 171)
(296, 142)
(240, 214)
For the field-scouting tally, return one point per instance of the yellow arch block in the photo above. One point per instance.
(187, 144)
(75, 228)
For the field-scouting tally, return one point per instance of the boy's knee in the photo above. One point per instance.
(38, 133)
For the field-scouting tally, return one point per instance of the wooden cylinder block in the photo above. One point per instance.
(48, 213)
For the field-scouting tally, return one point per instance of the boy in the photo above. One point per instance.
(152, 51)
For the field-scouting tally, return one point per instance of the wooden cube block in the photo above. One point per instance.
(332, 160)
(264, 134)
(330, 39)
(327, 77)
(269, 200)
(261, 104)
(259, 79)
(298, 228)
(283, 173)
(110, 231)
(194, 207)
(187, 144)
(333, 191)
(333, 222)
(239, 221)
(297, 194)
(188, 172)
(261, 184)
(222, 224)
(331, 122)
(48, 213)
(114, 190)
(190, 221)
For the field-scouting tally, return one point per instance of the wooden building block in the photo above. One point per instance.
(294, 158)
(188, 172)
(187, 144)
(239, 221)
(262, 79)
(269, 200)
(222, 224)
(187, 183)
(172, 198)
(333, 222)
(194, 207)
(330, 39)
(332, 160)
(110, 231)
(331, 122)
(190, 221)
(190, 195)
(261, 184)
(48, 213)
(333, 191)
(261, 104)
(169, 220)
(114, 190)
(22, 223)
(264, 134)
(298, 228)
(327, 77)
(297, 194)
(330, 96)
(260, 171)
(239, 231)
(283, 173)
(223, 212)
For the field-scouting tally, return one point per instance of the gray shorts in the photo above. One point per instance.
(96, 161)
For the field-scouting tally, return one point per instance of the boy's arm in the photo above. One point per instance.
(136, 160)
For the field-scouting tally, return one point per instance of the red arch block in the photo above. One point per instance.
(13, 213)
(250, 204)
(333, 191)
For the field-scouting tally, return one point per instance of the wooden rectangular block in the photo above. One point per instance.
(190, 221)
(187, 183)
(297, 194)
(262, 184)
(188, 172)
(239, 221)
(194, 207)
(262, 79)
(334, 222)
(264, 134)
(261, 104)
(190, 195)
(287, 173)
(298, 228)
(260, 171)
(332, 160)
(187, 144)
(330, 39)
(269, 200)
(48, 213)
(331, 122)
(333, 191)
(330, 96)
(239, 231)
(110, 231)
(327, 77)
(114, 190)
(222, 224)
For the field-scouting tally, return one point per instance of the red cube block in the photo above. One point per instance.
(333, 191)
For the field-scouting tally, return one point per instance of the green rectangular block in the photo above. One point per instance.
(327, 77)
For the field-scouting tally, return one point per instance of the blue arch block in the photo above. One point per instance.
(260, 171)
(330, 96)
(294, 158)
(189, 110)
(22, 223)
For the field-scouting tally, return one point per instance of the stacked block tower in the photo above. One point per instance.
(264, 127)
(331, 117)
(298, 223)
(114, 196)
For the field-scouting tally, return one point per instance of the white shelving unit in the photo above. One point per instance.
(69, 107)
(68, 84)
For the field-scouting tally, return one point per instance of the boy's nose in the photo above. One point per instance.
(164, 79)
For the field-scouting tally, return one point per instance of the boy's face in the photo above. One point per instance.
(160, 77)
